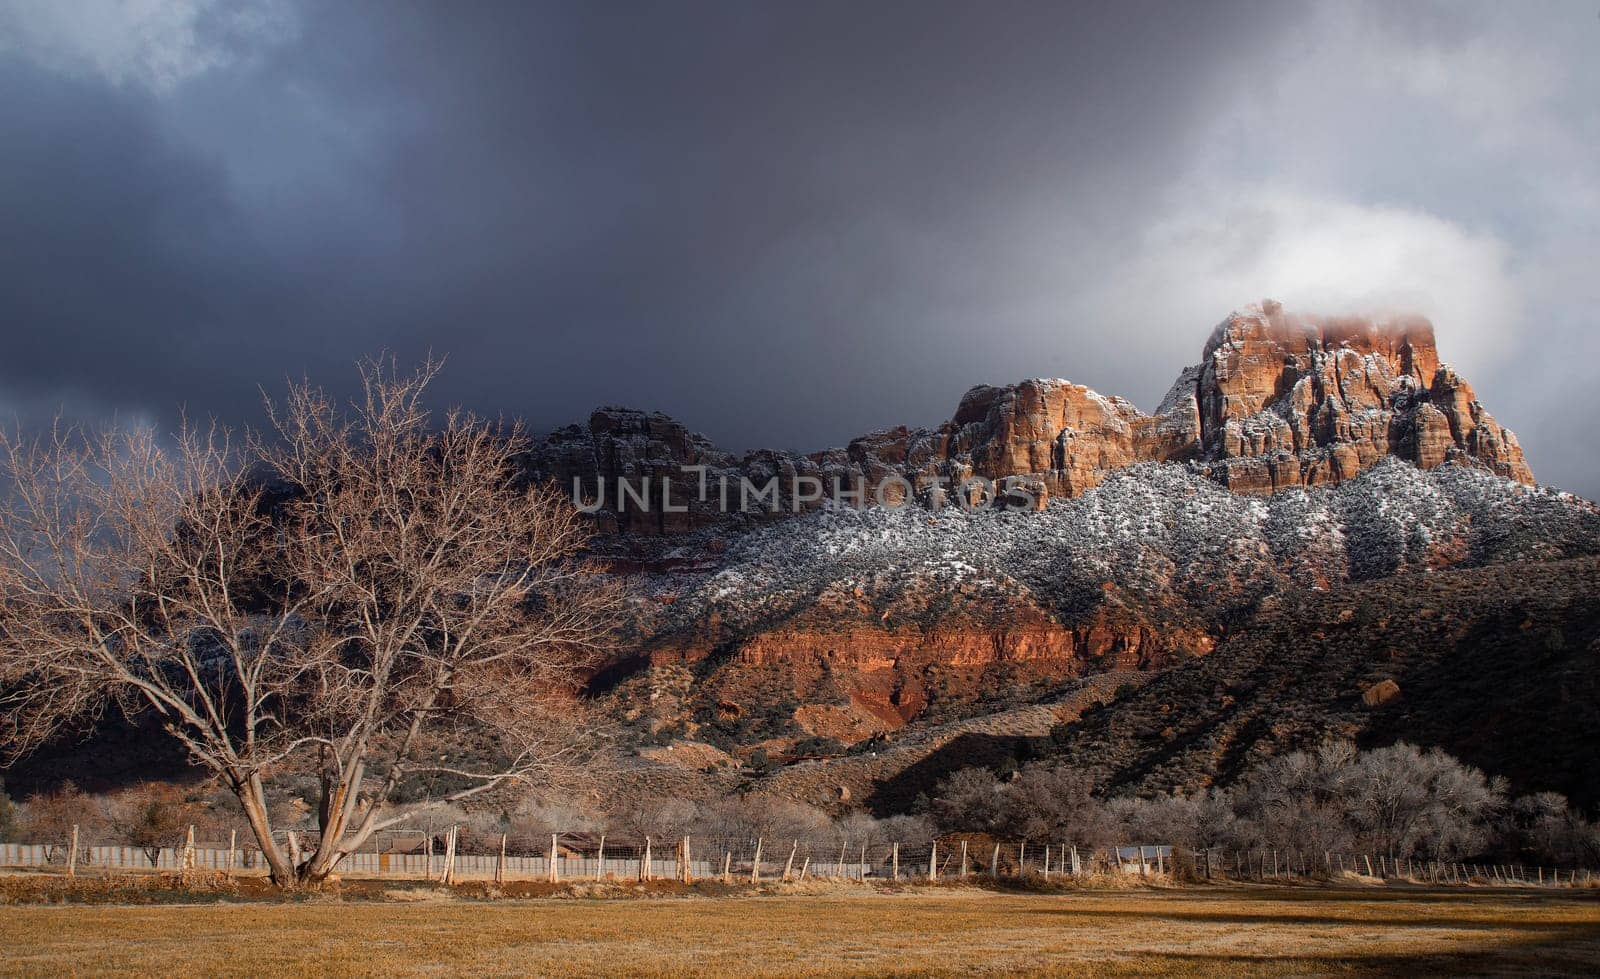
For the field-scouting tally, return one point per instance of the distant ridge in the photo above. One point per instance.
(1278, 400)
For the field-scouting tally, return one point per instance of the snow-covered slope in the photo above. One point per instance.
(1162, 535)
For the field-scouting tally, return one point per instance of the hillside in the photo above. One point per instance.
(850, 624)
(1499, 665)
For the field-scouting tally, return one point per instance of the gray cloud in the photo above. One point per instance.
(789, 224)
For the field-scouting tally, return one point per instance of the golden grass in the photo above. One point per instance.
(1219, 932)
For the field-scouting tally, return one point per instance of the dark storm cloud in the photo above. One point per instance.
(785, 224)
(575, 204)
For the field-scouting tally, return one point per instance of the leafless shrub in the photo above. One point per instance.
(48, 817)
(753, 816)
(153, 815)
(1053, 803)
(1547, 827)
(636, 814)
(972, 799)
(1399, 800)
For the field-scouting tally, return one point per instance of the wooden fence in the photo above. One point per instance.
(585, 856)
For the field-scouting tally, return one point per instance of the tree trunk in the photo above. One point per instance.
(338, 803)
(252, 799)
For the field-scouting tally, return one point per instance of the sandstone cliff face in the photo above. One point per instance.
(1278, 400)
(1288, 400)
(894, 671)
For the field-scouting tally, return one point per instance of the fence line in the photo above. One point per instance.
(590, 856)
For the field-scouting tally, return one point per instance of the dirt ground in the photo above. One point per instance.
(825, 931)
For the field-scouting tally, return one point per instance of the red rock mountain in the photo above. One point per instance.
(1278, 400)
(845, 624)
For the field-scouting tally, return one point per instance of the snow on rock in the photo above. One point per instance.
(1157, 536)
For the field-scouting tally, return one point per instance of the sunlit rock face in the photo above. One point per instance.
(1289, 400)
(1278, 400)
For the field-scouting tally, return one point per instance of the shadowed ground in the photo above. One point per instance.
(915, 932)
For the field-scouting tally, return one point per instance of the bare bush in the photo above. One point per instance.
(49, 817)
(972, 799)
(1400, 800)
(154, 815)
(756, 816)
(638, 814)
(1054, 803)
(1545, 826)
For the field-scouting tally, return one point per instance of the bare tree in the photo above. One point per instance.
(345, 590)
(1298, 800)
(152, 815)
(970, 800)
(48, 817)
(640, 811)
(758, 815)
(1548, 828)
(1055, 803)
(1404, 799)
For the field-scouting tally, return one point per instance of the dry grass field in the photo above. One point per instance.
(1232, 932)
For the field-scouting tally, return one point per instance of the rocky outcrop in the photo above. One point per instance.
(1288, 400)
(858, 678)
(1278, 400)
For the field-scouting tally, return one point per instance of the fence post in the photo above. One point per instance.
(688, 863)
(727, 866)
(644, 861)
(600, 860)
(933, 861)
(500, 865)
(1047, 862)
(188, 849)
(1022, 859)
(805, 866)
(863, 863)
(963, 858)
(455, 848)
(72, 853)
(1076, 866)
(448, 857)
(894, 851)
(788, 866)
(555, 854)
(233, 848)
(838, 868)
(755, 865)
(994, 863)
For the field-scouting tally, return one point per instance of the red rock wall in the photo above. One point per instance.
(1278, 400)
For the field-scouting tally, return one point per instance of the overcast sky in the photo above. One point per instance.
(786, 224)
